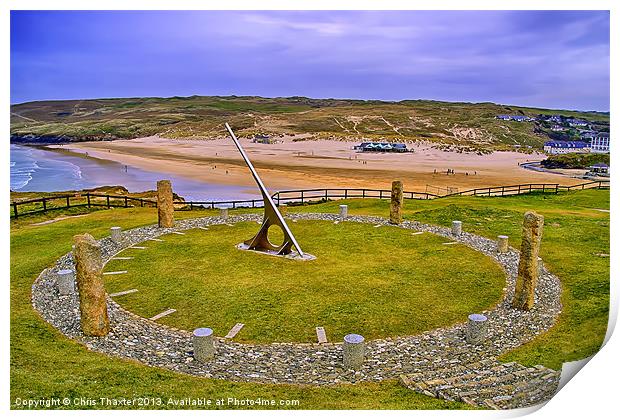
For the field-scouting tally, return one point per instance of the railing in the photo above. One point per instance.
(282, 197)
(325, 194)
(56, 202)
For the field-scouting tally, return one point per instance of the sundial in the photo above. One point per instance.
(272, 216)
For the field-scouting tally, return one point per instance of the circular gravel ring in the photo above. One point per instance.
(157, 345)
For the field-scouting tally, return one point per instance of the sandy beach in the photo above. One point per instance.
(320, 163)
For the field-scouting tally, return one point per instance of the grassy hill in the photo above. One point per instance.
(466, 125)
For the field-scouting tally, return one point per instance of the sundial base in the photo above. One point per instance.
(293, 255)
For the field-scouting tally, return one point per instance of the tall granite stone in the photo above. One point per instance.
(396, 203)
(527, 276)
(165, 204)
(88, 267)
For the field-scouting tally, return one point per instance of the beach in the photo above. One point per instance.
(319, 164)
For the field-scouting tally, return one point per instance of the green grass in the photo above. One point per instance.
(378, 282)
(46, 364)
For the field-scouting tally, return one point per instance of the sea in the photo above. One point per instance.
(47, 170)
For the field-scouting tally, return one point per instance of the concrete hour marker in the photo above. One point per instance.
(112, 273)
(137, 247)
(121, 258)
(155, 240)
(163, 314)
(234, 331)
(320, 335)
(178, 233)
(125, 292)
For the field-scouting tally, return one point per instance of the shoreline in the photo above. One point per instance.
(316, 164)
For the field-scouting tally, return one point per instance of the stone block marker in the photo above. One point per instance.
(502, 244)
(234, 331)
(94, 319)
(527, 276)
(457, 227)
(476, 328)
(66, 284)
(344, 211)
(202, 341)
(163, 314)
(321, 337)
(396, 203)
(165, 204)
(353, 351)
(116, 235)
(224, 213)
(123, 293)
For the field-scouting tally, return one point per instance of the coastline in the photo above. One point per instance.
(317, 164)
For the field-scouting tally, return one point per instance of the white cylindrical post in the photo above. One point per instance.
(353, 351)
(66, 282)
(502, 244)
(457, 227)
(116, 234)
(224, 213)
(202, 341)
(344, 211)
(540, 267)
(476, 328)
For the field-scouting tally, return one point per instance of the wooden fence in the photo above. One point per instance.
(43, 204)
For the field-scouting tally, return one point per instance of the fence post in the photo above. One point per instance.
(125, 201)
(108, 200)
(44, 204)
(502, 190)
(346, 193)
(556, 188)
(519, 192)
(326, 191)
(15, 209)
(68, 205)
(380, 194)
(88, 199)
(302, 196)
(191, 205)
(141, 203)
(278, 197)
(363, 192)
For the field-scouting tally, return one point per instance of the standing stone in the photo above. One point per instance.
(224, 213)
(528, 262)
(165, 204)
(502, 244)
(116, 234)
(457, 228)
(353, 351)
(476, 328)
(202, 342)
(344, 211)
(66, 284)
(88, 265)
(396, 203)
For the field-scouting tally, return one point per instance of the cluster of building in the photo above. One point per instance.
(590, 143)
(518, 118)
(381, 147)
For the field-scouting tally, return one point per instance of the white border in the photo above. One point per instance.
(591, 395)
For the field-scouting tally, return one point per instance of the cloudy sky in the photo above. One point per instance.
(554, 59)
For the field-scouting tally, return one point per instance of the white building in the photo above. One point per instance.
(562, 147)
(599, 143)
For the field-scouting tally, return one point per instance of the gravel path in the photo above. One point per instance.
(154, 344)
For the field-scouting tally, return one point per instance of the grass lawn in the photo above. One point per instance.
(45, 364)
(378, 282)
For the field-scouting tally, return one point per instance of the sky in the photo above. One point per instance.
(550, 59)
